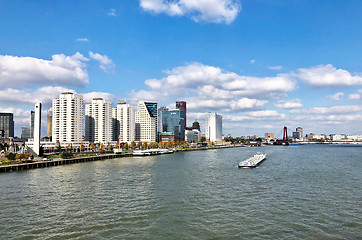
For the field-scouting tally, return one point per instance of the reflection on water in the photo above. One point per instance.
(299, 192)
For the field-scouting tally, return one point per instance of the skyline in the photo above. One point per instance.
(262, 65)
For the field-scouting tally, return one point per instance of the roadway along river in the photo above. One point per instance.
(298, 192)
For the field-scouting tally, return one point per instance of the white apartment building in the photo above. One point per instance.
(68, 118)
(213, 127)
(98, 121)
(146, 122)
(126, 120)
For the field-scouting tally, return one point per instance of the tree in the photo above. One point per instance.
(139, 144)
(133, 145)
(92, 146)
(125, 146)
(145, 145)
(110, 147)
(203, 139)
(82, 147)
(101, 148)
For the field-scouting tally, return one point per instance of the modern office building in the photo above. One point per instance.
(213, 127)
(298, 134)
(98, 121)
(181, 105)
(146, 122)
(68, 118)
(25, 132)
(126, 121)
(49, 122)
(159, 118)
(115, 125)
(6, 125)
(173, 122)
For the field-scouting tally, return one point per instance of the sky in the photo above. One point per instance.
(261, 64)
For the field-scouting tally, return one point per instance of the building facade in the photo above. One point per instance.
(192, 136)
(146, 121)
(181, 105)
(49, 122)
(173, 122)
(6, 125)
(126, 121)
(68, 118)
(98, 121)
(213, 127)
(31, 124)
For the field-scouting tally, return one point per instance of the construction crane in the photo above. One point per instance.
(125, 100)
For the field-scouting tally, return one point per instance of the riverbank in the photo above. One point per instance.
(57, 162)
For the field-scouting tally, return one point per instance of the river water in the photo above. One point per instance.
(298, 192)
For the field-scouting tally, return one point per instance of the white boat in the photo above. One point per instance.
(252, 162)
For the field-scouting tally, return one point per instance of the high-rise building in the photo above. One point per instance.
(213, 127)
(25, 132)
(49, 122)
(68, 118)
(98, 121)
(115, 124)
(159, 118)
(181, 105)
(146, 122)
(6, 125)
(173, 122)
(298, 134)
(126, 121)
(37, 128)
(31, 124)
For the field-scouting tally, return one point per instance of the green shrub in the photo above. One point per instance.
(66, 155)
(10, 156)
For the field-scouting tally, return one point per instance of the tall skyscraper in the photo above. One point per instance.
(31, 124)
(181, 105)
(146, 122)
(98, 121)
(6, 125)
(126, 120)
(49, 122)
(298, 134)
(115, 124)
(213, 128)
(68, 118)
(159, 118)
(173, 122)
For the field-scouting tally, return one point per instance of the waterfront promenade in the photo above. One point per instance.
(57, 162)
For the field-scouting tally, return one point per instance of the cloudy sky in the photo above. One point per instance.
(261, 64)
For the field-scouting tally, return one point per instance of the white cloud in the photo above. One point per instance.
(356, 96)
(296, 103)
(337, 96)
(82, 40)
(217, 11)
(112, 12)
(208, 88)
(327, 75)
(45, 95)
(269, 115)
(106, 64)
(275, 67)
(28, 71)
(88, 97)
(225, 106)
(252, 61)
(329, 110)
(208, 82)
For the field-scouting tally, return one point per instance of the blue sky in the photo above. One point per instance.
(261, 64)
